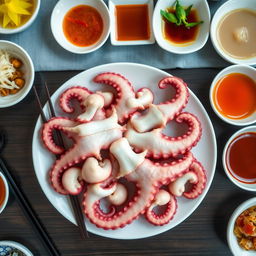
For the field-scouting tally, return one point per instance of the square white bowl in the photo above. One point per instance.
(113, 31)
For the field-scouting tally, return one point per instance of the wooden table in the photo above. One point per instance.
(203, 233)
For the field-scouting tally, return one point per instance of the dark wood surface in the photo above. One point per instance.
(202, 234)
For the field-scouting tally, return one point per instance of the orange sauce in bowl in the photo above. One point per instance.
(83, 25)
(241, 158)
(2, 191)
(132, 22)
(234, 96)
(181, 34)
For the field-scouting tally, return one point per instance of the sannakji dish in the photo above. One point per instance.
(151, 75)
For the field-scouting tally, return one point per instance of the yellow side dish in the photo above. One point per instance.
(14, 13)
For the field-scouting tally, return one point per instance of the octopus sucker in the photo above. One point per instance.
(121, 155)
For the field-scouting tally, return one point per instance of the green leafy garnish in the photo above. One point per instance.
(179, 17)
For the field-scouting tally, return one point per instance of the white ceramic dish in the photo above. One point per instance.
(249, 187)
(243, 69)
(60, 10)
(204, 14)
(231, 238)
(219, 14)
(3, 205)
(24, 26)
(205, 151)
(113, 31)
(28, 70)
(7, 246)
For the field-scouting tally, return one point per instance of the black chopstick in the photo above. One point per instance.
(29, 212)
(73, 199)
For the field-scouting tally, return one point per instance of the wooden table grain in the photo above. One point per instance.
(202, 234)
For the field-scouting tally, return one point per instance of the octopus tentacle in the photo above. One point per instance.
(160, 145)
(56, 123)
(170, 204)
(147, 178)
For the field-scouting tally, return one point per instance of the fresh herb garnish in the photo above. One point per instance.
(179, 17)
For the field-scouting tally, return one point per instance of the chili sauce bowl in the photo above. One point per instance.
(223, 10)
(240, 69)
(238, 181)
(26, 24)
(203, 13)
(136, 36)
(7, 247)
(28, 70)
(5, 190)
(62, 8)
(231, 238)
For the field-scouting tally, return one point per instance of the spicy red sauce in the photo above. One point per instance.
(83, 25)
(2, 191)
(241, 157)
(181, 34)
(132, 22)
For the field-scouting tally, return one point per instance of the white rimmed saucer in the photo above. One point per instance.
(204, 14)
(3, 205)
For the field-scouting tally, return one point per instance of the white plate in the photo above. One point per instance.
(140, 76)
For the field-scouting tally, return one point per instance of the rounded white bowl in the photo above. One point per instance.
(24, 26)
(28, 70)
(8, 245)
(243, 69)
(231, 238)
(204, 14)
(245, 186)
(219, 14)
(3, 205)
(58, 14)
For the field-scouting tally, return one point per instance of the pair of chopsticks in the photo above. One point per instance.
(28, 211)
(73, 199)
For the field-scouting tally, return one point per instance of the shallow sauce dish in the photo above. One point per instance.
(203, 33)
(223, 10)
(236, 181)
(28, 69)
(231, 238)
(5, 190)
(57, 17)
(240, 69)
(26, 24)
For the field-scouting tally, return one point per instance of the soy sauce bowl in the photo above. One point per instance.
(3, 205)
(242, 69)
(237, 182)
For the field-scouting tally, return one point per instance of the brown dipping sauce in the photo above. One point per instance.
(236, 33)
(2, 191)
(132, 22)
(241, 158)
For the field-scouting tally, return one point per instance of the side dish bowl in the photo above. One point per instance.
(25, 25)
(231, 238)
(224, 9)
(204, 15)
(6, 187)
(28, 69)
(242, 69)
(240, 184)
(58, 14)
(8, 246)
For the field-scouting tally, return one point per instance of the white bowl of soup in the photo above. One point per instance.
(30, 9)
(233, 32)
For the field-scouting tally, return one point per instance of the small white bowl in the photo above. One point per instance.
(28, 69)
(7, 246)
(219, 14)
(243, 69)
(113, 35)
(24, 26)
(3, 205)
(245, 186)
(203, 11)
(231, 238)
(58, 14)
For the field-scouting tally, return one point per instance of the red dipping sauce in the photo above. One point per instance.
(2, 191)
(241, 158)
